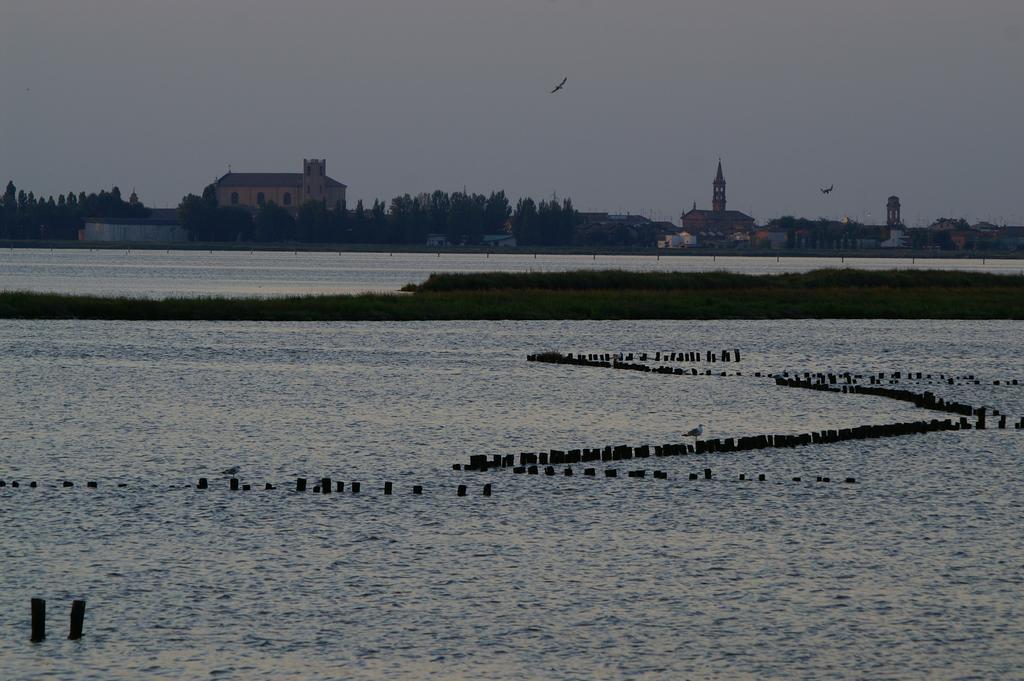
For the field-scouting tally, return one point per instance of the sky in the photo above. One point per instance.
(919, 98)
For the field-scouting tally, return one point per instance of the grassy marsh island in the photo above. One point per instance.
(587, 294)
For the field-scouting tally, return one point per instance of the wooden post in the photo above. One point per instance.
(77, 620)
(325, 485)
(355, 488)
(462, 490)
(38, 620)
(387, 488)
(707, 473)
(234, 484)
(487, 490)
(417, 489)
(203, 483)
(300, 485)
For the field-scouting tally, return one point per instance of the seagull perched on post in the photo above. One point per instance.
(560, 85)
(696, 432)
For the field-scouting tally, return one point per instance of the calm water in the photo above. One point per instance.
(915, 572)
(160, 274)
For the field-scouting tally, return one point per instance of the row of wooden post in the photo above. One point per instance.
(640, 473)
(39, 620)
(92, 484)
(326, 484)
(692, 356)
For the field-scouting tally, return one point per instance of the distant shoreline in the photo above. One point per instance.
(540, 250)
(586, 295)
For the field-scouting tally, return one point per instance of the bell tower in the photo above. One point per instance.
(718, 198)
(314, 180)
(892, 212)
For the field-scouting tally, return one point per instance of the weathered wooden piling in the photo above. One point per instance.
(417, 489)
(693, 476)
(77, 620)
(68, 483)
(660, 475)
(203, 484)
(487, 490)
(850, 481)
(325, 485)
(549, 470)
(637, 474)
(590, 471)
(387, 488)
(300, 485)
(355, 487)
(233, 484)
(92, 484)
(519, 470)
(38, 620)
(761, 477)
(611, 473)
(796, 479)
(743, 476)
(462, 490)
(707, 473)
(532, 470)
(246, 487)
(268, 486)
(339, 486)
(568, 472)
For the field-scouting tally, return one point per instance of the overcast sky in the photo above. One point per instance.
(920, 98)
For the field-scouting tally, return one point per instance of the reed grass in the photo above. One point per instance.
(825, 294)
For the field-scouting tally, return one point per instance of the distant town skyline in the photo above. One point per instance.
(917, 98)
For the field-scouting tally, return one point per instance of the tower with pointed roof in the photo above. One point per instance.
(717, 225)
(718, 198)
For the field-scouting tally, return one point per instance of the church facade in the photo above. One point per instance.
(718, 220)
(288, 190)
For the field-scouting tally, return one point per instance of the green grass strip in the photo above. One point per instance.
(826, 294)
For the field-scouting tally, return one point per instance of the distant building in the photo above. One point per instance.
(718, 220)
(289, 190)
(161, 226)
(678, 240)
(500, 240)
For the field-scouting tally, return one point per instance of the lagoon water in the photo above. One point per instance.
(917, 571)
(160, 274)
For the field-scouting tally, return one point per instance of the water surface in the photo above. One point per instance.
(914, 572)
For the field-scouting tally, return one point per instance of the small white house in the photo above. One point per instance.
(680, 240)
(502, 240)
(897, 239)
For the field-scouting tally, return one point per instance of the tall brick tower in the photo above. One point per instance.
(892, 211)
(314, 180)
(718, 198)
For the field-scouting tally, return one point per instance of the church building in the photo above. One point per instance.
(288, 190)
(718, 219)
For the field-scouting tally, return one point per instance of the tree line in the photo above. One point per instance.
(25, 216)
(460, 217)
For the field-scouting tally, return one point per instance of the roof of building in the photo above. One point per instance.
(721, 215)
(157, 216)
(268, 180)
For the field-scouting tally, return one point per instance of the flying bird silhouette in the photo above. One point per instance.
(560, 85)
(829, 190)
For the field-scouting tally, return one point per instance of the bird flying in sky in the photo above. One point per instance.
(828, 190)
(560, 85)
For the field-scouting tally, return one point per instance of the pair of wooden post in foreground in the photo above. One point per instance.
(39, 620)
